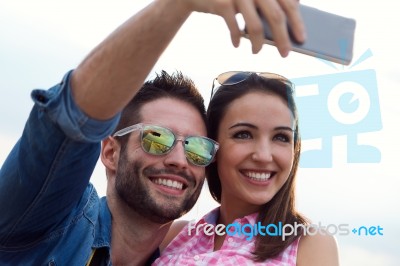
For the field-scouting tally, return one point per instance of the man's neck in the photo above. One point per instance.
(133, 237)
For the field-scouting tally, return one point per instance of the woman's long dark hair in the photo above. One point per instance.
(281, 208)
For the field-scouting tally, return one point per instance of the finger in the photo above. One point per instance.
(276, 19)
(253, 24)
(291, 8)
(228, 12)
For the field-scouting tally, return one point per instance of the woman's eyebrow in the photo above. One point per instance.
(243, 124)
(285, 128)
(253, 126)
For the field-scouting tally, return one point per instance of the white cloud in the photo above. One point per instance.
(358, 256)
(6, 144)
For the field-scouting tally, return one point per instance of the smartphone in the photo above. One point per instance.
(329, 36)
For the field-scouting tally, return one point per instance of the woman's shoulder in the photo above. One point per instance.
(173, 231)
(178, 225)
(317, 248)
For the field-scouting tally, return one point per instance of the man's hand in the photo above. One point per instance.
(277, 12)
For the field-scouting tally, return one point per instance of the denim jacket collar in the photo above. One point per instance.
(102, 237)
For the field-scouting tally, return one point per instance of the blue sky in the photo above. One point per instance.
(41, 40)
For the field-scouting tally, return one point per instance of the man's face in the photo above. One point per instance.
(161, 187)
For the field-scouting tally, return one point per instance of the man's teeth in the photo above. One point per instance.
(259, 176)
(169, 183)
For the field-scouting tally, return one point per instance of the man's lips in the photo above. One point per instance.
(170, 181)
(174, 184)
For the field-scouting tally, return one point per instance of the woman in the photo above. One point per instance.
(253, 116)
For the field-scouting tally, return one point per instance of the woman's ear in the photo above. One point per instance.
(110, 149)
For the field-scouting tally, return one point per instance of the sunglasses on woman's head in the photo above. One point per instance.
(157, 140)
(236, 77)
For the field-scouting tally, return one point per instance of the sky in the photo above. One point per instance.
(348, 176)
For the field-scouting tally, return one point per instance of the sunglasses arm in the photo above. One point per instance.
(127, 130)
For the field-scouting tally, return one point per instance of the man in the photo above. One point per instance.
(50, 213)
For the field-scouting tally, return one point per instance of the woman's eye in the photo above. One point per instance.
(242, 135)
(282, 137)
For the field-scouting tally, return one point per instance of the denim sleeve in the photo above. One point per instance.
(44, 176)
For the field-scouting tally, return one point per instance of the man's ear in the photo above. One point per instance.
(110, 149)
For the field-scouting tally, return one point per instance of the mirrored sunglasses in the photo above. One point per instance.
(158, 140)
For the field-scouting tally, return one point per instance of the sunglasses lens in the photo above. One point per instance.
(199, 151)
(157, 140)
(233, 77)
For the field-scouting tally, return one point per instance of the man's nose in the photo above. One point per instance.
(176, 157)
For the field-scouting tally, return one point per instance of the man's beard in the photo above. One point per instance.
(131, 188)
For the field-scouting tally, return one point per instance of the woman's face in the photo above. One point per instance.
(256, 150)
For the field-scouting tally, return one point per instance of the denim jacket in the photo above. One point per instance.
(50, 213)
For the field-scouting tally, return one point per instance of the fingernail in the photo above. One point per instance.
(284, 51)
